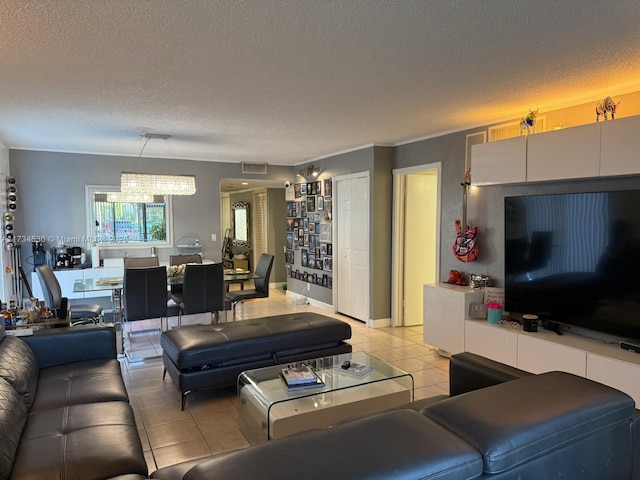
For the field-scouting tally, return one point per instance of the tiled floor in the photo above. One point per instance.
(208, 425)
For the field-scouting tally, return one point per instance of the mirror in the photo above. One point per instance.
(241, 221)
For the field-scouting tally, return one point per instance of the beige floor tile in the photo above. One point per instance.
(227, 442)
(144, 439)
(181, 452)
(161, 414)
(173, 433)
(210, 402)
(218, 423)
(153, 398)
(151, 462)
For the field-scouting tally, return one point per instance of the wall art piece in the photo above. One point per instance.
(289, 240)
(325, 232)
(297, 189)
(320, 203)
(303, 188)
(327, 264)
(327, 209)
(311, 204)
(290, 257)
(327, 187)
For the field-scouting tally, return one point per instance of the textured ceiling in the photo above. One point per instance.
(284, 82)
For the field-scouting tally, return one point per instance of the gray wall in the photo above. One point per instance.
(52, 195)
(277, 234)
(378, 161)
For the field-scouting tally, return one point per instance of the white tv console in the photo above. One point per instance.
(535, 352)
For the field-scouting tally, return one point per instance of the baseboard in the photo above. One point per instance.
(321, 305)
(378, 323)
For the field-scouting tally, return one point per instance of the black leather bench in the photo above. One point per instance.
(210, 356)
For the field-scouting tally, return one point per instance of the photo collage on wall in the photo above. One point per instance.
(309, 218)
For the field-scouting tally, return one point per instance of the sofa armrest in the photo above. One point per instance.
(59, 346)
(635, 438)
(468, 372)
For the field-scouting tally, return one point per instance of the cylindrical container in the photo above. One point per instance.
(494, 312)
(95, 256)
(530, 323)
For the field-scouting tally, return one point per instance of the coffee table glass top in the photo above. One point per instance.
(329, 371)
(266, 391)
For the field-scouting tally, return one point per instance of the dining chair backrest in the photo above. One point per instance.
(203, 288)
(141, 262)
(263, 271)
(145, 293)
(183, 259)
(50, 287)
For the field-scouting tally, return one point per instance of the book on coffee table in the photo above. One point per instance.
(352, 368)
(299, 376)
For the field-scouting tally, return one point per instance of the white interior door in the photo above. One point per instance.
(352, 251)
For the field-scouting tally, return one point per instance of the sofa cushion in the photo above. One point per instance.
(90, 441)
(19, 367)
(80, 382)
(400, 444)
(515, 422)
(13, 414)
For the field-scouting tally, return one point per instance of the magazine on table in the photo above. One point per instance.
(300, 375)
(352, 368)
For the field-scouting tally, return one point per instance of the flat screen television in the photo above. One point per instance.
(574, 259)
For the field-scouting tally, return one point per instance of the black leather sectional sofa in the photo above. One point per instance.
(64, 415)
(64, 410)
(501, 423)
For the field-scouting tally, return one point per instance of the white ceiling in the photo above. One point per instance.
(286, 81)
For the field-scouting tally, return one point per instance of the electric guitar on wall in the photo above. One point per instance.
(465, 247)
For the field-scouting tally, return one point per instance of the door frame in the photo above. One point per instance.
(398, 238)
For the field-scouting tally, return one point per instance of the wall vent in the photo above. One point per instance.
(259, 168)
(512, 129)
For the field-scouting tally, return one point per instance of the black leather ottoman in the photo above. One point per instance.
(209, 356)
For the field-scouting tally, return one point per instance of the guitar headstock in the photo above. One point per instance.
(467, 178)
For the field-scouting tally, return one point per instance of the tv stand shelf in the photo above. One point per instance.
(448, 327)
(545, 350)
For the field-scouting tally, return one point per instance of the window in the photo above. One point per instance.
(127, 222)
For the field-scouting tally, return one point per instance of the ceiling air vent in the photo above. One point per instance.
(259, 168)
(512, 129)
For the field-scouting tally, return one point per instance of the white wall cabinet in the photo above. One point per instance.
(491, 341)
(619, 147)
(499, 162)
(563, 154)
(586, 151)
(445, 309)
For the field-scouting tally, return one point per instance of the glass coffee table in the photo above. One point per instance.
(269, 410)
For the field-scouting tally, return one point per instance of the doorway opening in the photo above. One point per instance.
(416, 239)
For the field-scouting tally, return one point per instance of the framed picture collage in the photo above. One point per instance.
(309, 250)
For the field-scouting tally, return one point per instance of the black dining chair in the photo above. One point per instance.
(176, 290)
(59, 305)
(261, 284)
(202, 290)
(144, 296)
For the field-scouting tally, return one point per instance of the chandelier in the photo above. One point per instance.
(161, 184)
